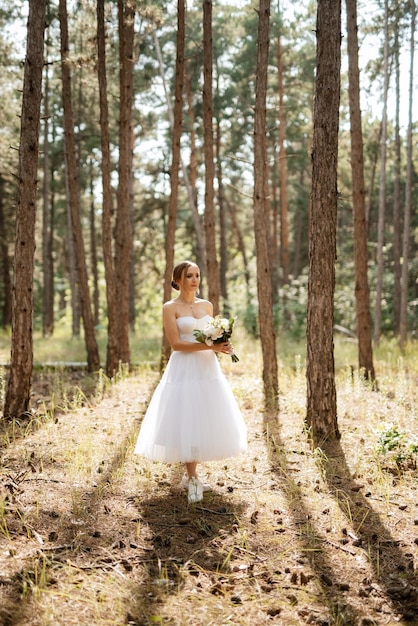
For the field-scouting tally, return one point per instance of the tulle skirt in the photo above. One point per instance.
(193, 414)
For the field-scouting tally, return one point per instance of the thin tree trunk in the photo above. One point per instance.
(17, 400)
(126, 14)
(403, 335)
(375, 157)
(261, 216)
(284, 205)
(72, 267)
(382, 189)
(210, 223)
(189, 179)
(321, 415)
(175, 166)
(300, 229)
(112, 352)
(223, 266)
(47, 233)
(93, 360)
(93, 251)
(132, 285)
(192, 189)
(362, 294)
(5, 264)
(397, 237)
(275, 234)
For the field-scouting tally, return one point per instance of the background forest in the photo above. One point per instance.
(317, 522)
(385, 80)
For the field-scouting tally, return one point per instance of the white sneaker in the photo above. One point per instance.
(184, 484)
(195, 490)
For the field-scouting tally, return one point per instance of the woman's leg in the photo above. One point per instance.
(191, 469)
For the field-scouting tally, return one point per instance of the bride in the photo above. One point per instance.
(193, 416)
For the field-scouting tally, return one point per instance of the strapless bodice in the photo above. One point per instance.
(187, 324)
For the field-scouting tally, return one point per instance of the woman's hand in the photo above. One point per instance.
(224, 347)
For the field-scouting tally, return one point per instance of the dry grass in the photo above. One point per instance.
(91, 535)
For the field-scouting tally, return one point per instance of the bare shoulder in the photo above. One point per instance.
(169, 304)
(206, 306)
(170, 307)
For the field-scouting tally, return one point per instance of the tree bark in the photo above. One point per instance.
(362, 293)
(321, 418)
(190, 183)
(17, 400)
(397, 236)
(112, 352)
(284, 205)
(189, 179)
(261, 215)
(72, 269)
(47, 227)
(223, 265)
(403, 329)
(93, 251)
(210, 226)
(126, 13)
(5, 264)
(93, 360)
(175, 166)
(382, 189)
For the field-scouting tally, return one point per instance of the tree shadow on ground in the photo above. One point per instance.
(74, 536)
(393, 568)
(187, 549)
(394, 575)
(52, 391)
(332, 591)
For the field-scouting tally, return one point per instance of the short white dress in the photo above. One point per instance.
(193, 415)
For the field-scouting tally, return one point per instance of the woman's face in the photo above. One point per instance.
(190, 280)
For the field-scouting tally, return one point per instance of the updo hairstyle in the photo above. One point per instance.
(179, 271)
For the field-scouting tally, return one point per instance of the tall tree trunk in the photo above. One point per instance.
(284, 205)
(408, 190)
(112, 351)
(72, 269)
(175, 166)
(275, 228)
(126, 15)
(210, 224)
(362, 293)
(321, 415)
(5, 264)
(47, 227)
(382, 189)
(261, 215)
(189, 179)
(21, 362)
(192, 189)
(93, 360)
(397, 237)
(223, 265)
(132, 277)
(93, 251)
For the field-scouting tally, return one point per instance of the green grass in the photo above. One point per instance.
(146, 346)
(63, 347)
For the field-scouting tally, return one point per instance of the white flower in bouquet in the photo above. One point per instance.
(217, 330)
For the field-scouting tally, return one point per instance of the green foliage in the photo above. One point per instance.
(398, 449)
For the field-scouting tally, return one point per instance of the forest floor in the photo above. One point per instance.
(93, 535)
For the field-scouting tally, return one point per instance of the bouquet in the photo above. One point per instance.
(217, 330)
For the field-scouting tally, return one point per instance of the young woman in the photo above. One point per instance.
(193, 416)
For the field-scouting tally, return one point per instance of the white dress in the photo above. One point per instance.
(193, 415)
